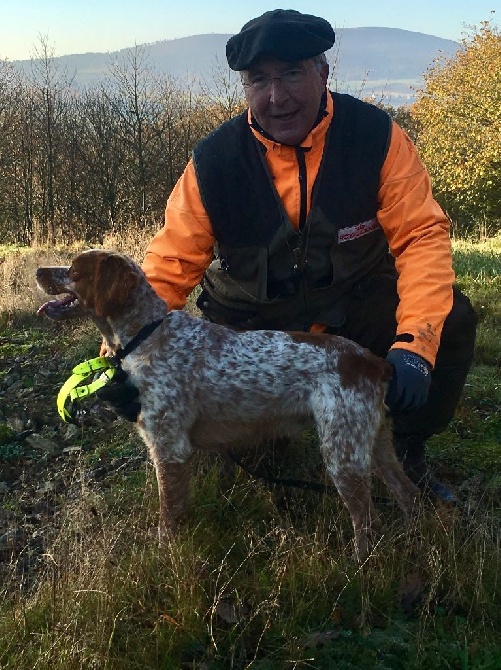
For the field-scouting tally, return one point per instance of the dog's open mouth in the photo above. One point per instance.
(59, 308)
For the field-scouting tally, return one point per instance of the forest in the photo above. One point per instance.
(77, 164)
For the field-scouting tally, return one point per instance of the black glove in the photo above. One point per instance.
(410, 384)
(121, 395)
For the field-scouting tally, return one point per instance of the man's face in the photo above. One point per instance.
(285, 97)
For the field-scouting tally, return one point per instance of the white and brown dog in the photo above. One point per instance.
(205, 386)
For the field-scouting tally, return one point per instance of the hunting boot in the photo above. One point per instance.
(410, 450)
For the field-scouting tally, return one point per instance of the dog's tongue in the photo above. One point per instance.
(54, 304)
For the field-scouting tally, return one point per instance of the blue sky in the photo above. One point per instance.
(108, 25)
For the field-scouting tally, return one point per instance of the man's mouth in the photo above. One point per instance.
(284, 117)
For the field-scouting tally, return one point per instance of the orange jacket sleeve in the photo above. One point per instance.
(181, 251)
(418, 235)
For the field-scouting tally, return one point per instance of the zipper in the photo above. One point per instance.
(303, 184)
(299, 251)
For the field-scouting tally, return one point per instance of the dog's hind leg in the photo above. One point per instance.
(352, 478)
(387, 467)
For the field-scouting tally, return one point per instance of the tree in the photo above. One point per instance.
(459, 116)
(10, 103)
(177, 130)
(222, 95)
(50, 88)
(135, 92)
(99, 165)
(402, 115)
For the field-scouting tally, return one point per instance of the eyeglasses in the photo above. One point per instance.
(289, 79)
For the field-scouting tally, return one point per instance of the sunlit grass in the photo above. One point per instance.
(259, 578)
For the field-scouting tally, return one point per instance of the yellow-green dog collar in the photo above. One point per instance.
(74, 389)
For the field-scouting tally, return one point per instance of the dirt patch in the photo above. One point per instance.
(46, 464)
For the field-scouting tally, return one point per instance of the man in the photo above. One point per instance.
(300, 198)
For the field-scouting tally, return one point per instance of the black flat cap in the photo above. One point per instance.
(281, 33)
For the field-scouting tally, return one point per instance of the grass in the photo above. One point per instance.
(262, 578)
(262, 597)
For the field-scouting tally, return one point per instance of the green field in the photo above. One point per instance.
(260, 577)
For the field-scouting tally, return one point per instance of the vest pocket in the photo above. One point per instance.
(240, 274)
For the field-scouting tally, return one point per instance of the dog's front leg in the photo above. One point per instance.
(173, 480)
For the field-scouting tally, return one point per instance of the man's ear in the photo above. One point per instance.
(114, 281)
(324, 73)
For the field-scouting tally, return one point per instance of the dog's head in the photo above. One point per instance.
(97, 281)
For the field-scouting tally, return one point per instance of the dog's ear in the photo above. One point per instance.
(113, 282)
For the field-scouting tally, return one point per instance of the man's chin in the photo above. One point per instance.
(290, 136)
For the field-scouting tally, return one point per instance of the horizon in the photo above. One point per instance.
(76, 30)
(195, 35)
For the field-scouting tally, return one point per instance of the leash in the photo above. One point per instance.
(303, 484)
(293, 483)
(74, 389)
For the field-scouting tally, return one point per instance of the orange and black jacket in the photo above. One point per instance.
(396, 209)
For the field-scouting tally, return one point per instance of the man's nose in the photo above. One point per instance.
(278, 92)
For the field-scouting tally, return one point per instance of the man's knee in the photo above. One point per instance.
(457, 343)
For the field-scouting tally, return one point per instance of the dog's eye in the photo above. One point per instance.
(73, 274)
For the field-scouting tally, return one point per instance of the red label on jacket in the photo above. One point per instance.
(361, 229)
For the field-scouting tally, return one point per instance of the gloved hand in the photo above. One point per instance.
(410, 384)
(121, 395)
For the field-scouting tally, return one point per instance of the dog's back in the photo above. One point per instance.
(223, 376)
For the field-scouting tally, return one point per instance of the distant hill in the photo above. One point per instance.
(390, 61)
